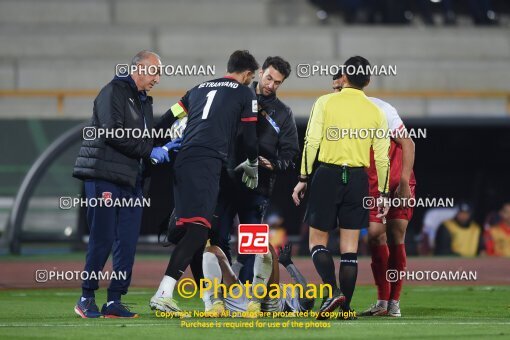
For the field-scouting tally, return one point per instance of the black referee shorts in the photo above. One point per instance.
(332, 203)
(196, 187)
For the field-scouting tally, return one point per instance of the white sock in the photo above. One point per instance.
(212, 271)
(262, 270)
(382, 303)
(166, 287)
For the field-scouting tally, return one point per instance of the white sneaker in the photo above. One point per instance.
(164, 304)
(375, 310)
(252, 310)
(394, 308)
(217, 310)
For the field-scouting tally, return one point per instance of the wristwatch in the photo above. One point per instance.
(303, 179)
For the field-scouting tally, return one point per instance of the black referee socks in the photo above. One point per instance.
(323, 262)
(347, 276)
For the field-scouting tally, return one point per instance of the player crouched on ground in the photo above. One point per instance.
(266, 272)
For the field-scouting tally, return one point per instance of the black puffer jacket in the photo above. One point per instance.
(117, 160)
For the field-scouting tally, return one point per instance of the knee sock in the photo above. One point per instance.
(166, 287)
(348, 274)
(380, 255)
(195, 238)
(397, 261)
(323, 262)
(196, 265)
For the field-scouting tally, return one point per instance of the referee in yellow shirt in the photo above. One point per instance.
(343, 126)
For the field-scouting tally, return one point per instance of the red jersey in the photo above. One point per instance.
(395, 124)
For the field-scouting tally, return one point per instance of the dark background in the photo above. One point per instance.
(461, 158)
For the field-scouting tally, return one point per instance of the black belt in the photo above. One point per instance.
(341, 167)
(344, 170)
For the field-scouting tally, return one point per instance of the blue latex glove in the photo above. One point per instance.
(174, 145)
(159, 155)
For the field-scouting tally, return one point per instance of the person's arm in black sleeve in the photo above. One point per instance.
(166, 120)
(248, 127)
(111, 108)
(177, 111)
(288, 146)
(164, 123)
(443, 244)
(250, 141)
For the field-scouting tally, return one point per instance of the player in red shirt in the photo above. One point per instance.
(386, 238)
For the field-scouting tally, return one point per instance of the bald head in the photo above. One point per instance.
(146, 60)
(144, 55)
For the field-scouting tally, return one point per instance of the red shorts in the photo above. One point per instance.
(395, 213)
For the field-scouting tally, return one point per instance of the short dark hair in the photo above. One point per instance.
(279, 64)
(356, 79)
(240, 61)
(338, 75)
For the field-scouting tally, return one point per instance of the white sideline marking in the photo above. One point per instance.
(424, 322)
(91, 325)
(75, 294)
(460, 288)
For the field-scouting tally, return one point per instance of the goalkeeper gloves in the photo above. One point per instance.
(251, 173)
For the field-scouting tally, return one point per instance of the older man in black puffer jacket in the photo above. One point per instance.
(112, 162)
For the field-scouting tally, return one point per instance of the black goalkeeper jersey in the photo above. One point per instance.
(214, 110)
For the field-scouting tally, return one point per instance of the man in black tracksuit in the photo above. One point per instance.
(278, 148)
(113, 167)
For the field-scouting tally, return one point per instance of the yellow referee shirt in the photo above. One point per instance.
(344, 125)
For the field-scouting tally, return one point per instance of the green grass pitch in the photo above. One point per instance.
(437, 312)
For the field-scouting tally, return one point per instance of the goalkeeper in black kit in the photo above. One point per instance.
(216, 109)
